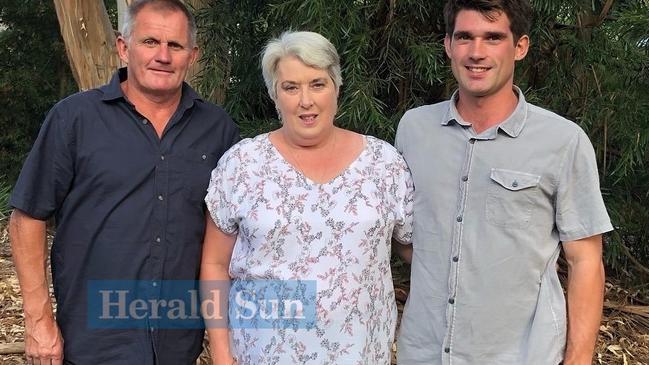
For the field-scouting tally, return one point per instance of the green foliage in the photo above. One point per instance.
(392, 57)
(5, 191)
(587, 64)
(35, 75)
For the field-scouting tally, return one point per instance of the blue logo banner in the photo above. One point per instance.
(126, 304)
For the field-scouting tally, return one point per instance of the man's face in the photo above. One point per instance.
(158, 53)
(483, 54)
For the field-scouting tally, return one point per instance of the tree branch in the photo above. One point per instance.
(638, 265)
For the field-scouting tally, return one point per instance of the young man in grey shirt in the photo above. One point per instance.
(501, 187)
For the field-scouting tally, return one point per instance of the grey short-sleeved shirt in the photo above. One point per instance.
(490, 212)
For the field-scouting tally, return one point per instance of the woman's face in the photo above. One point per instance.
(306, 99)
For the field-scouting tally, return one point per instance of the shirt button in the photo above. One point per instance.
(144, 121)
(204, 157)
(459, 218)
(456, 259)
(451, 301)
(155, 284)
(160, 197)
(472, 141)
(465, 178)
(447, 350)
(162, 157)
(157, 239)
(515, 184)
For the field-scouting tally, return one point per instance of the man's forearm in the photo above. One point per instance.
(29, 249)
(585, 299)
(43, 342)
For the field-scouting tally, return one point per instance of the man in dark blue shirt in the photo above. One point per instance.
(124, 170)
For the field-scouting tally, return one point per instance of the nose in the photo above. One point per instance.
(476, 50)
(163, 55)
(306, 101)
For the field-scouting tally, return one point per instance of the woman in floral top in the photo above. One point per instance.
(314, 202)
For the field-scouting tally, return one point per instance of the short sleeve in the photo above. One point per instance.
(48, 171)
(405, 202)
(580, 210)
(220, 199)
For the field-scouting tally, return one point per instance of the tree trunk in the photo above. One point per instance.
(122, 6)
(89, 41)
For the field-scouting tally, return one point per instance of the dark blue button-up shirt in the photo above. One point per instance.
(128, 206)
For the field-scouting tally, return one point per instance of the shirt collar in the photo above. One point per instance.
(513, 125)
(113, 90)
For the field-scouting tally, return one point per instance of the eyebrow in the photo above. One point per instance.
(175, 44)
(499, 35)
(169, 41)
(462, 34)
(468, 34)
(319, 79)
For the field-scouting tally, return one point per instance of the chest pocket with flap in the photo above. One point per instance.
(509, 199)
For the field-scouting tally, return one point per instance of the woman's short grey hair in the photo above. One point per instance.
(158, 5)
(311, 48)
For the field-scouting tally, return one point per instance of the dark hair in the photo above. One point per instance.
(519, 13)
(173, 5)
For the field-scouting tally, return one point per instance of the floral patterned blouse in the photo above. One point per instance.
(336, 233)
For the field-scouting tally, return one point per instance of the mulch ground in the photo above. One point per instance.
(623, 340)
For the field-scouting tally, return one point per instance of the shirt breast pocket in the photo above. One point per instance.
(510, 198)
(198, 166)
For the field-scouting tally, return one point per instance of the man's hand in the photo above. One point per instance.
(43, 342)
(585, 294)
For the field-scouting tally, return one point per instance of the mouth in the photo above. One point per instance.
(478, 69)
(308, 118)
(157, 70)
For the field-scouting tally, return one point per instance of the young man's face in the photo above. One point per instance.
(483, 54)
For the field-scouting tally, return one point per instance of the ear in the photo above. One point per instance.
(522, 46)
(447, 45)
(122, 49)
(194, 55)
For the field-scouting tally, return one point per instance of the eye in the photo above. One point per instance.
(175, 46)
(494, 38)
(290, 88)
(319, 85)
(150, 42)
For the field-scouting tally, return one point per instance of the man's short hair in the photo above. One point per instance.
(519, 13)
(158, 5)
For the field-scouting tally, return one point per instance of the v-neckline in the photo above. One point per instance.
(309, 180)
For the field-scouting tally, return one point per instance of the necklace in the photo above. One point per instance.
(324, 165)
